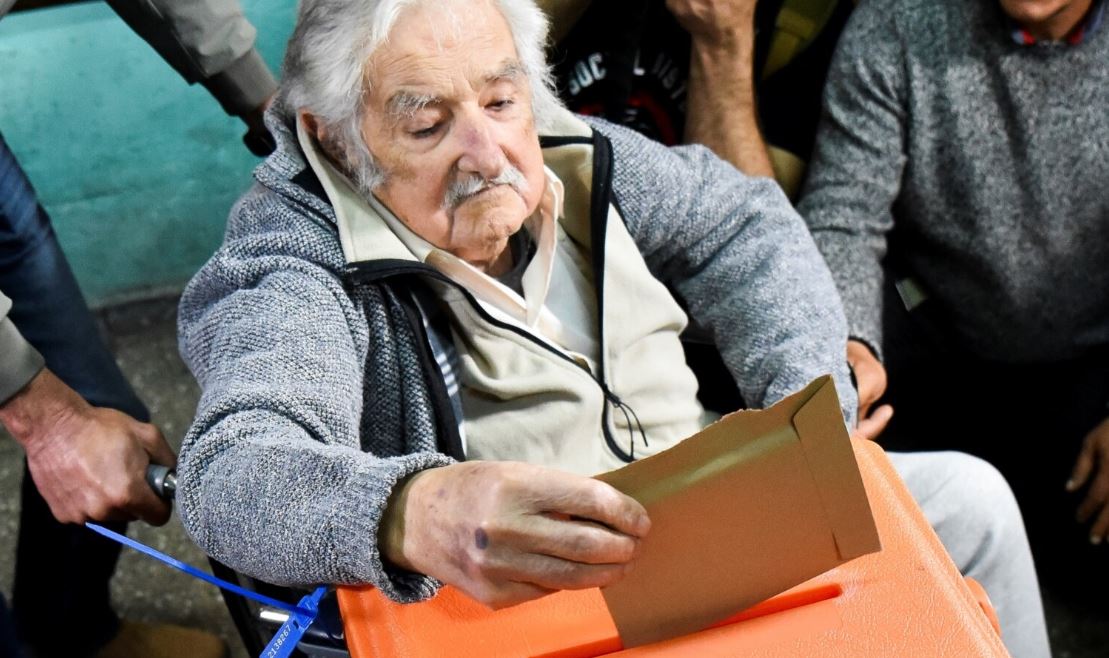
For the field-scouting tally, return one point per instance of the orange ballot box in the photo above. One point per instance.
(906, 599)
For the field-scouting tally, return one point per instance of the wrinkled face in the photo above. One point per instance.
(449, 120)
(1052, 19)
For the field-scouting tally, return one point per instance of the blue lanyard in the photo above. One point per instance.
(285, 640)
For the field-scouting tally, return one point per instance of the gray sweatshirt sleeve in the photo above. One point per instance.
(855, 174)
(273, 480)
(206, 41)
(739, 256)
(19, 362)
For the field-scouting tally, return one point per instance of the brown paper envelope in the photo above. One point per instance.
(754, 504)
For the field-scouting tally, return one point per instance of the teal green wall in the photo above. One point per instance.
(136, 168)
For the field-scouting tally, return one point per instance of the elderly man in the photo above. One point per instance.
(439, 264)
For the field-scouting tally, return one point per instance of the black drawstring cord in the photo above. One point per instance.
(629, 415)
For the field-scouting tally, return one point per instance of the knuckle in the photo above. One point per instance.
(119, 503)
(582, 545)
(625, 549)
(638, 519)
(609, 502)
(118, 497)
(576, 577)
(488, 532)
(479, 563)
(66, 515)
(598, 576)
(499, 488)
(607, 577)
(98, 509)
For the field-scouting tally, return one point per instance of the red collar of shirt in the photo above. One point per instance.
(1087, 26)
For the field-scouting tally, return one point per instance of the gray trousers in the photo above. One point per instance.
(972, 509)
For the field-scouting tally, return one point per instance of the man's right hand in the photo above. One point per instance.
(715, 20)
(508, 532)
(88, 463)
(870, 378)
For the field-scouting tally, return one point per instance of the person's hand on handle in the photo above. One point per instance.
(88, 463)
(508, 532)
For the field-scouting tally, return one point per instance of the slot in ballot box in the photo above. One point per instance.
(906, 600)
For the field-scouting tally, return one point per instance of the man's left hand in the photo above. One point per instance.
(1091, 470)
(870, 380)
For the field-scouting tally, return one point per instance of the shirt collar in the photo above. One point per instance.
(537, 276)
(1085, 28)
(352, 209)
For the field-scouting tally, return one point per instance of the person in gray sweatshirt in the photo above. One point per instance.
(448, 302)
(958, 193)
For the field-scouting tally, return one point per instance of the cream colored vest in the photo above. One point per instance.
(524, 399)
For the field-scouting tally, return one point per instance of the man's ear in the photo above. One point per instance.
(314, 127)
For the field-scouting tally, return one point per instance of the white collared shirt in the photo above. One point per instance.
(558, 299)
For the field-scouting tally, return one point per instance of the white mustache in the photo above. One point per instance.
(462, 189)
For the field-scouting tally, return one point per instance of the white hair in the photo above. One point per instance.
(324, 72)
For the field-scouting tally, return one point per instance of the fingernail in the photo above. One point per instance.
(1095, 539)
(1070, 485)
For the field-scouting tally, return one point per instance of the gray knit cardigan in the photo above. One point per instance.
(315, 402)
